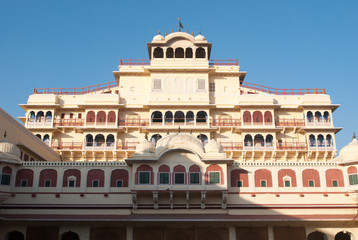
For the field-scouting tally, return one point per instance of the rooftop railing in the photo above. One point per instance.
(282, 91)
(76, 91)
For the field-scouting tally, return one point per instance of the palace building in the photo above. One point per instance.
(179, 146)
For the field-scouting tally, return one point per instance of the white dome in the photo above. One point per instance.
(349, 153)
(145, 146)
(200, 38)
(9, 152)
(180, 141)
(213, 147)
(158, 38)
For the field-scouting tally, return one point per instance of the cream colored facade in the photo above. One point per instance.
(181, 147)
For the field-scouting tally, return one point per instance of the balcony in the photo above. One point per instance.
(68, 122)
(232, 146)
(319, 122)
(101, 124)
(94, 146)
(134, 123)
(226, 123)
(259, 147)
(290, 122)
(169, 122)
(39, 122)
(321, 147)
(63, 146)
(258, 124)
(287, 146)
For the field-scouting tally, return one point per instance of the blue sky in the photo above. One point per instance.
(283, 44)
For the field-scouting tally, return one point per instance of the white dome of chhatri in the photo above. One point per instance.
(145, 146)
(200, 37)
(213, 147)
(158, 38)
(349, 153)
(9, 152)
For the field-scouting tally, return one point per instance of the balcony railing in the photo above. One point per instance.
(101, 124)
(134, 122)
(39, 122)
(178, 121)
(321, 146)
(226, 122)
(127, 145)
(232, 146)
(146, 62)
(317, 122)
(66, 145)
(291, 146)
(258, 124)
(224, 62)
(76, 91)
(259, 147)
(290, 122)
(68, 122)
(282, 91)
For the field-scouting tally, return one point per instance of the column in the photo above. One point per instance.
(232, 233)
(129, 233)
(270, 233)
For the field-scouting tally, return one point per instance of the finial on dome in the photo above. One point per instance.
(199, 32)
(4, 136)
(191, 131)
(172, 30)
(186, 30)
(167, 132)
(166, 34)
(192, 33)
(146, 136)
(158, 32)
(354, 135)
(179, 129)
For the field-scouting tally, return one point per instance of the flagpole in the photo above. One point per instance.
(179, 23)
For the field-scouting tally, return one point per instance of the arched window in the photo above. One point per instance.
(316, 236)
(247, 117)
(95, 178)
(101, 117)
(48, 178)
(32, 116)
(155, 138)
(189, 117)
(343, 236)
(158, 52)
(89, 140)
(257, 117)
(70, 236)
(203, 138)
(170, 52)
(353, 176)
(26, 158)
(119, 178)
(15, 235)
(112, 117)
(326, 117)
(268, 117)
(110, 140)
(39, 116)
(194, 174)
(188, 53)
(24, 178)
(39, 136)
(179, 116)
(263, 178)
(259, 140)
(144, 175)
(99, 140)
(71, 178)
(90, 117)
(248, 140)
(164, 174)
(168, 117)
(269, 140)
(179, 175)
(201, 116)
(320, 140)
(157, 117)
(48, 117)
(46, 139)
(312, 140)
(318, 116)
(6, 176)
(309, 116)
(200, 52)
(179, 53)
(329, 140)
(310, 178)
(239, 178)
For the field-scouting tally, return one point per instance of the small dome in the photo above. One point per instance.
(213, 147)
(9, 151)
(158, 38)
(349, 153)
(145, 146)
(200, 38)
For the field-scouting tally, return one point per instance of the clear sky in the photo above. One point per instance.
(282, 44)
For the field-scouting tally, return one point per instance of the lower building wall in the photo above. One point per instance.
(180, 231)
